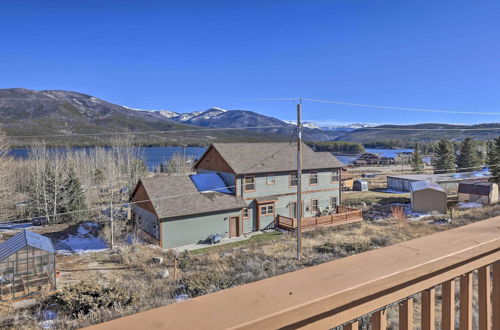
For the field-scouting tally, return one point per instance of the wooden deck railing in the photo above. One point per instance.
(344, 215)
(341, 292)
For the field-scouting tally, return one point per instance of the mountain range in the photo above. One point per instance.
(70, 118)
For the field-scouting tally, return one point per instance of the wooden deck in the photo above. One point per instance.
(343, 216)
(339, 292)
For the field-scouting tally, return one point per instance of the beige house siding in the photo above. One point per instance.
(429, 200)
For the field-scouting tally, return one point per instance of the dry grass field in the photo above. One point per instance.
(139, 280)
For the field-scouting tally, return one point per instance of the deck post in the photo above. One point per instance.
(406, 314)
(484, 294)
(379, 320)
(496, 295)
(448, 309)
(428, 309)
(466, 302)
(351, 326)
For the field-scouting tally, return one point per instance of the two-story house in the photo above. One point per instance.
(265, 176)
(238, 188)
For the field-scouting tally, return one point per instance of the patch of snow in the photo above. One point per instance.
(83, 242)
(310, 125)
(469, 205)
(181, 297)
(391, 191)
(168, 114)
(7, 226)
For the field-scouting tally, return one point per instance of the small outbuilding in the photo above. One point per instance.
(360, 185)
(428, 197)
(478, 191)
(27, 265)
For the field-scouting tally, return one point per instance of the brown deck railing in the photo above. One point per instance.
(344, 215)
(341, 292)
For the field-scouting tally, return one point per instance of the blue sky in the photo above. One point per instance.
(192, 55)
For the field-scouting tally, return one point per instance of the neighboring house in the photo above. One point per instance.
(478, 191)
(239, 188)
(367, 158)
(428, 197)
(186, 209)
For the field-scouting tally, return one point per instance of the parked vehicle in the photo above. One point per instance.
(42, 221)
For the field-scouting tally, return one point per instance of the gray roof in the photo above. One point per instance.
(175, 196)
(22, 239)
(422, 185)
(268, 157)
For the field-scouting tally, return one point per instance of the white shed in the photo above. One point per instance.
(428, 197)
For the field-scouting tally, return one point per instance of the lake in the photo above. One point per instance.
(154, 156)
(349, 158)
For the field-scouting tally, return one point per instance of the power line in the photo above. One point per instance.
(400, 108)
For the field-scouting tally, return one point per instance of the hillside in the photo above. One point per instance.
(423, 132)
(74, 117)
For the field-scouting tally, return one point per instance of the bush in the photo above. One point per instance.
(184, 260)
(343, 248)
(201, 283)
(85, 297)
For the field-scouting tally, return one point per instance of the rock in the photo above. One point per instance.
(164, 273)
(157, 260)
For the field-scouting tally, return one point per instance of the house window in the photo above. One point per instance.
(245, 213)
(271, 179)
(313, 178)
(267, 209)
(249, 184)
(335, 176)
(314, 205)
(294, 181)
(333, 202)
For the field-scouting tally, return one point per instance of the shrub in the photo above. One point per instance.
(85, 297)
(343, 248)
(184, 260)
(201, 283)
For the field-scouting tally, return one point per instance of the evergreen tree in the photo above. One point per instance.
(468, 159)
(494, 161)
(417, 162)
(74, 197)
(490, 152)
(444, 157)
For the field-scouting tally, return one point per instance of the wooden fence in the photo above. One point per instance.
(344, 215)
(359, 289)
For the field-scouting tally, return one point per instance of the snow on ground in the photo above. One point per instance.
(9, 226)
(469, 205)
(390, 191)
(84, 241)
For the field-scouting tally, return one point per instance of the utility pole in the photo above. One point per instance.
(299, 180)
(112, 222)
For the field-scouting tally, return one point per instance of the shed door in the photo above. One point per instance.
(234, 226)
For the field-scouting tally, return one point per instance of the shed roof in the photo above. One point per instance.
(482, 188)
(22, 239)
(175, 196)
(268, 157)
(422, 185)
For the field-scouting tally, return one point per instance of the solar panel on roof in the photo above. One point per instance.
(206, 182)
